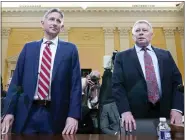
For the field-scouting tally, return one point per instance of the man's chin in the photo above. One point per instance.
(53, 34)
(142, 44)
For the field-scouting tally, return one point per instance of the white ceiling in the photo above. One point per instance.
(88, 4)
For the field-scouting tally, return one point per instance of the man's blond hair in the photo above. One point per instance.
(142, 21)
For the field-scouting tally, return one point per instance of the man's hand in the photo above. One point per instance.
(128, 121)
(175, 117)
(71, 126)
(7, 123)
(88, 80)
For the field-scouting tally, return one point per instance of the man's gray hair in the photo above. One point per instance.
(142, 21)
(57, 10)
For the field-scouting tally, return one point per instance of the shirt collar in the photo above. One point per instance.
(138, 49)
(54, 40)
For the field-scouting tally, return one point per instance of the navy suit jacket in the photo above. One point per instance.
(130, 89)
(65, 86)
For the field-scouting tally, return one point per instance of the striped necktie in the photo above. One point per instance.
(44, 77)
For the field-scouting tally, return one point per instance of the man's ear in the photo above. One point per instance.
(152, 34)
(62, 28)
(42, 23)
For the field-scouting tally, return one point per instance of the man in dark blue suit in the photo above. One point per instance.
(48, 76)
(145, 81)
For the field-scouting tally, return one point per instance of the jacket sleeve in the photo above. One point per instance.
(76, 87)
(178, 98)
(15, 85)
(118, 89)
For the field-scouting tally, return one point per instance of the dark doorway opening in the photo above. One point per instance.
(85, 72)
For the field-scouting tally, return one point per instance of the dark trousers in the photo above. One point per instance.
(38, 121)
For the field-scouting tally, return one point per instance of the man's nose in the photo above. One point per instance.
(54, 22)
(141, 33)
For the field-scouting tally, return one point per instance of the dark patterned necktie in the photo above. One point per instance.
(151, 80)
(44, 77)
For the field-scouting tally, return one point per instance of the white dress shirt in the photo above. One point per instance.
(140, 54)
(53, 48)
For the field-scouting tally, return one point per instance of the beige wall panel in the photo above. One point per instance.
(116, 40)
(131, 40)
(159, 38)
(91, 57)
(180, 53)
(20, 36)
(16, 41)
(83, 36)
(90, 43)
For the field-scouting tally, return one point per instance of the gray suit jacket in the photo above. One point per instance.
(109, 119)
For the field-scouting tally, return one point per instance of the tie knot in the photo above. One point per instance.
(48, 43)
(144, 49)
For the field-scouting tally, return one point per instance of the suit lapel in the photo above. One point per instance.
(136, 61)
(160, 62)
(35, 62)
(37, 56)
(57, 59)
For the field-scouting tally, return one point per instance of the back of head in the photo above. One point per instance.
(114, 56)
(95, 73)
(106, 88)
